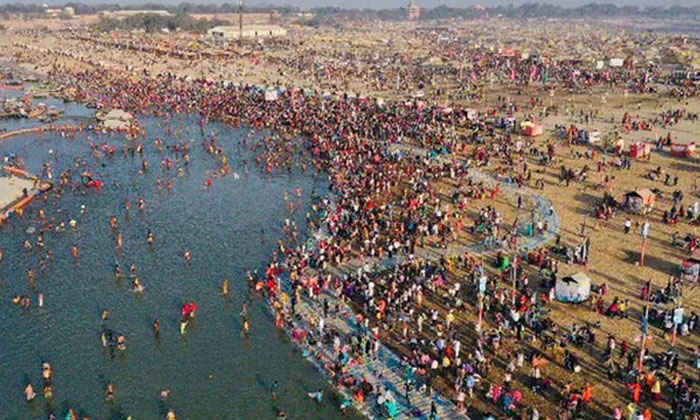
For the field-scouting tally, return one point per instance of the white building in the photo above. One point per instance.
(68, 12)
(227, 33)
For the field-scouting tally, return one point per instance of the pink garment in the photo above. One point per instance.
(517, 396)
(617, 415)
(496, 393)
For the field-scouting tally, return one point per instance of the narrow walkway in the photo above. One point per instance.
(39, 129)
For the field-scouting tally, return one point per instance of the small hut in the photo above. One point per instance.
(683, 150)
(690, 270)
(639, 200)
(640, 150)
(574, 288)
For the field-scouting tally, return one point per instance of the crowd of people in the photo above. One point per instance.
(389, 204)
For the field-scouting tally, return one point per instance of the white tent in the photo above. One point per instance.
(573, 289)
(617, 62)
(271, 95)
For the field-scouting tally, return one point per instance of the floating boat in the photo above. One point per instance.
(36, 112)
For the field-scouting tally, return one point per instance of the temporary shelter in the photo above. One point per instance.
(690, 270)
(573, 289)
(640, 150)
(636, 201)
(683, 150)
(532, 129)
(271, 95)
(617, 62)
(592, 137)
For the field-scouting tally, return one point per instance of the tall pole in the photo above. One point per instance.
(675, 324)
(480, 297)
(645, 328)
(481, 311)
(674, 335)
(514, 276)
(645, 234)
(240, 22)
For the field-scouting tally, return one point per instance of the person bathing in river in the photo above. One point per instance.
(189, 310)
(29, 393)
(156, 328)
(138, 287)
(109, 393)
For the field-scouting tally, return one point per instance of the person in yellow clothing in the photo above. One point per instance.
(446, 362)
(656, 391)
(631, 409)
(623, 308)
(450, 318)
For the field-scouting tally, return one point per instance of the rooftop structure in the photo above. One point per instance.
(248, 31)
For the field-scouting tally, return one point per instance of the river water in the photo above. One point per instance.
(213, 372)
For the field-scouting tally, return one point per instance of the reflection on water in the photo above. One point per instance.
(213, 373)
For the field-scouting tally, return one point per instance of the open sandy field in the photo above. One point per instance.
(337, 61)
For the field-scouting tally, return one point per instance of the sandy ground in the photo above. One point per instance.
(614, 255)
(11, 190)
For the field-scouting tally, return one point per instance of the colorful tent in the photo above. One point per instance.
(532, 129)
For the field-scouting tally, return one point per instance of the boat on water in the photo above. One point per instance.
(51, 115)
(37, 111)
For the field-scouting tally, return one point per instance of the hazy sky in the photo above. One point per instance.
(464, 3)
(379, 3)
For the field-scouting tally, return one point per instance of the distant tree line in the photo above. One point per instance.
(541, 10)
(524, 11)
(151, 22)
